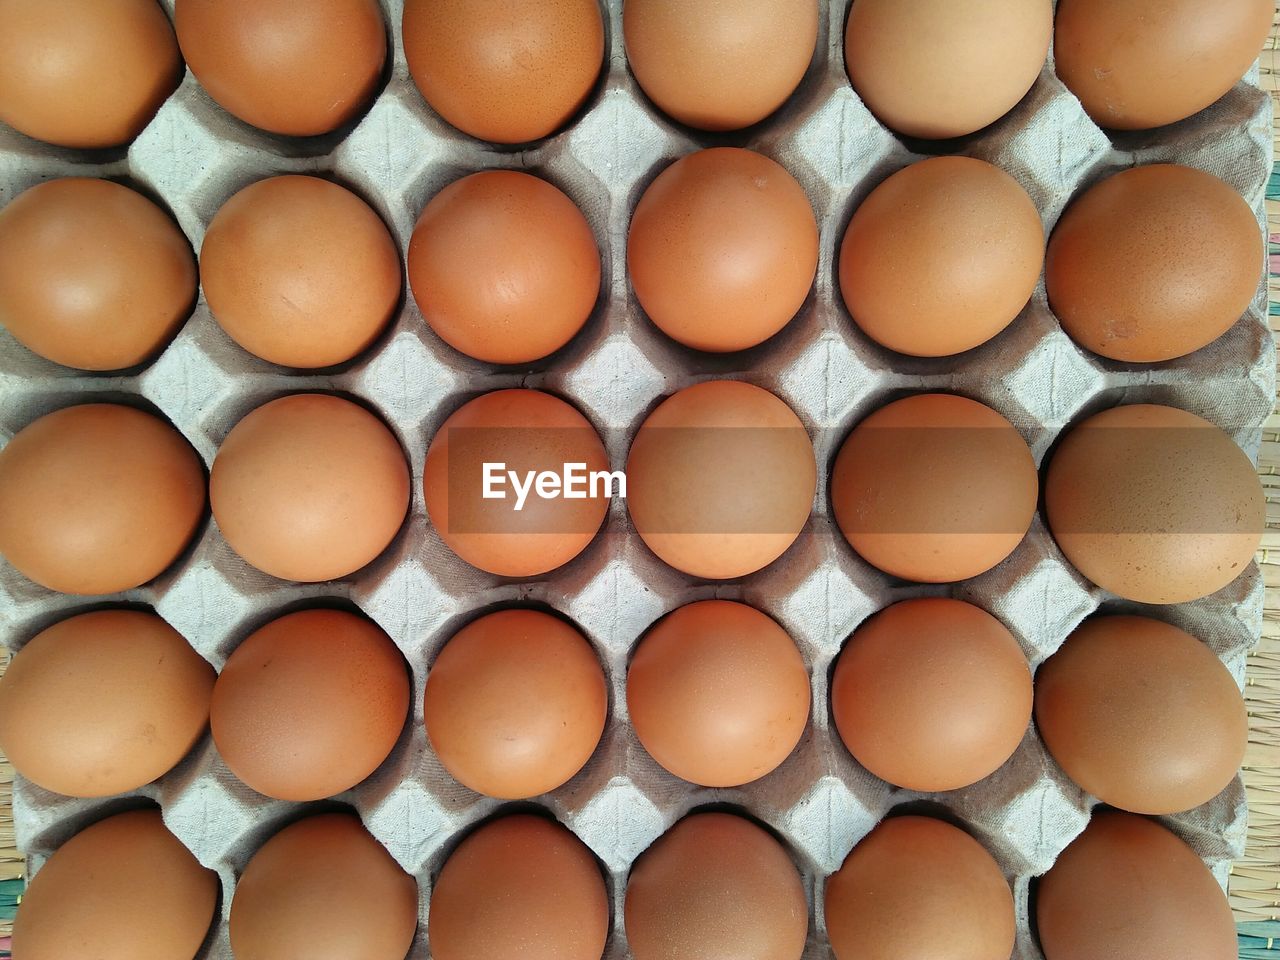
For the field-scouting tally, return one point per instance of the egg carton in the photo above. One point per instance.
(193, 156)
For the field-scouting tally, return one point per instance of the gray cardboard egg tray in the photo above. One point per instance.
(193, 156)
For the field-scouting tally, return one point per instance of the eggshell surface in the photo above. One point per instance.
(919, 887)
(98, 498)
(521, 887)
(85, 73)
(718, 693)
(103, 703)
(300, 271)
(1154, 504)
(515, 703)
(720, 479)
(715, 885)
(1128, 889)
(309, 705)
(123, 888)
(368, 909)
(719, 66)
(1141, 715)
(722, 249)
(501, 72)
(1153, 263)
(504, 266)
(92, 274)
(309, 487)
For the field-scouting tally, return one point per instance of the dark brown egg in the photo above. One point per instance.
(309, 705)
(917, 887)
(1141, 715)
(368, 908)
(502, 72)
(1128, 889)
(124, 888)
(85, 73)
(519, 888)
(92, 274)
(715, 885)
(1154, 504)
(300, 69)
(1154, 263)
(98, 498)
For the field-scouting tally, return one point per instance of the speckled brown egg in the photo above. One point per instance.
(300, 271)
(124, 888)
(715, 885)
(531, 433)
(1153, 263)
(85, 73)
(993, 51)
(325, 873)
(515, 703)
(932, 694)
(309, 487)
(718, 693)
(890, 507)
(92, 274)
(722, 249)
(310, 704)
(504, 266)
(519, 888)
(1128, 889)
(919, 887)
(975, 231)
(719, 66)
(1154, 504)
(299, 69)
(103, 703)
(502, 72)
(1135, 67)
(98, 498)
(1141, 715)
(720, 479)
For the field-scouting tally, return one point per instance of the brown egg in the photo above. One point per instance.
(85, 73)
(504, 73)
(98, 498)
(716, 885)
(919, 887)
(309, 487)
(722, 250)
(299, 69)
(719, 66)
(720, 479)
(92, 274)
(504, 267)
(515, 704)
(888, 502)
(718, 693)
(993, 51)
(299, 271)
(310, 705)
(1133, 70)
(1154, 263)
(1154, 504)
(1141, 715)
(974, 229)
(519, 888)
(932, 694)
(103, 703)
(532, 433)
(1128, 889)
(123, 888)
(324, 873)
